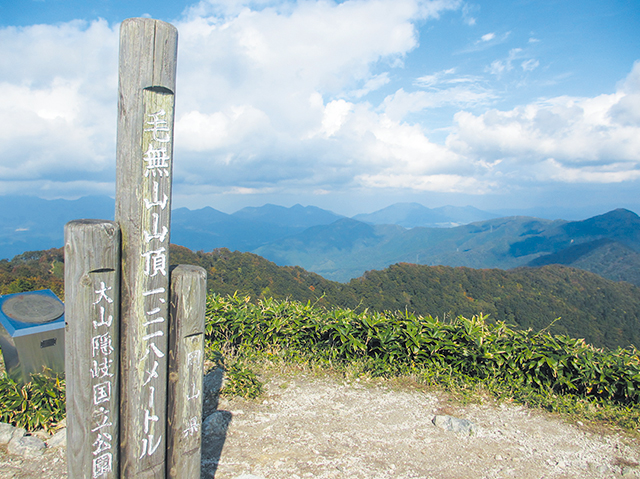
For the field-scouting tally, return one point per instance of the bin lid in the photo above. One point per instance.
(32, 308)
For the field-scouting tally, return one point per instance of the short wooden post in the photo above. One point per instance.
(148, 50)
(186, 360)
(92, 301)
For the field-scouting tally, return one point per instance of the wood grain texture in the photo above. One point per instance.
(148, 50)
(186, 360)
(92, 277)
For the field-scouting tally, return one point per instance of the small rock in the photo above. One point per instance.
(42, 435)
(6, 432)
(59, 439)
(216, 424)
(26, 446)
(450, 423)
(249, 476)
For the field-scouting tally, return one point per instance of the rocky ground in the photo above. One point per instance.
(307, 426)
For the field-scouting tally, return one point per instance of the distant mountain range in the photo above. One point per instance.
(32, 224)
(608, 245)
(411, 215)
(604, 312)
(341, 248)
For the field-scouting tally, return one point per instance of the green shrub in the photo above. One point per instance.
(393, 343)
(35, 405)
(241, 381)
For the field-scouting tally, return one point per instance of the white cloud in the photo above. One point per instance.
(401, 103)
(612, 173)
(560, 139)
(372, 84)
(335, 115)
(437, 183)
(444, 77)
(444, 88)
(59, 110)
(282, 62)
(467, 13)
(626, 111)
(486, 41)
(530, 65)
(245, 76)
(271, 97)
(498, 67)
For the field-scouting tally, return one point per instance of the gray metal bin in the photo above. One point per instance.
(32, 333)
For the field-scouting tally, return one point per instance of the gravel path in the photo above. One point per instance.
(321, 427)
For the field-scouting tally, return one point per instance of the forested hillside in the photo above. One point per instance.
(32, 271)
(604, 312)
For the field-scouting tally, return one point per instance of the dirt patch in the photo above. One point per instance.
(52, 464)
(322, 427)
(325, 428)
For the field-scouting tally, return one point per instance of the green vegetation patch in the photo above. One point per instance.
(555, 372)
(39, 404)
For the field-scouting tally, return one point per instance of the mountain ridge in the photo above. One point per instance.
(503, 243)
(605, 312)
(342, 248)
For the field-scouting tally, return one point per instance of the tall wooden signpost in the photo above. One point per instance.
(148, 51)
(135, 329)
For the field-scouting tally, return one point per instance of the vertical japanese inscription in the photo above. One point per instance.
(186, 352)
(148, 50)
(104, 387)
(92, 353)
(153, 288)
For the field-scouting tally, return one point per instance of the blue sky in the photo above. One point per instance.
(529, 106)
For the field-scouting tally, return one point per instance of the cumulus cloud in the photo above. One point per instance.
(281, 63)
(256, 81)
(59, 110)
(278, 95)
(560, 139)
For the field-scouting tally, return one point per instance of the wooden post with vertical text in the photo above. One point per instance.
(92, 302)
(135, 329)
(147, 68)
(186, 362)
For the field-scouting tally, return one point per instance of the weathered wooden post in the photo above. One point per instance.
(148, 50)
(125, 414)
(186, 358)
(92, 302)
